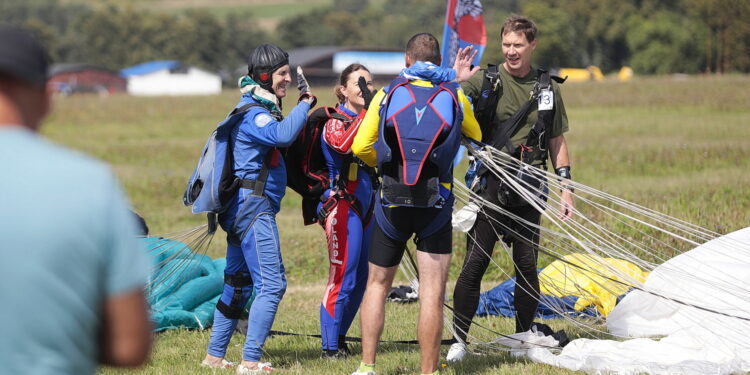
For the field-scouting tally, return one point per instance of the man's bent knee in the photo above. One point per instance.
(380, 276)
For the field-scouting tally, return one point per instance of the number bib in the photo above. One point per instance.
(546, 100)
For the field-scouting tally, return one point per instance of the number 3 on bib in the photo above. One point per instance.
(546, 100)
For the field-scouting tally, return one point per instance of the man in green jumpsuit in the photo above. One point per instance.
(518, 79)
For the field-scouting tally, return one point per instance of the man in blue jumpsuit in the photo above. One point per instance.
(253, 251)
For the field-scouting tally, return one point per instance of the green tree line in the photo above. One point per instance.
(117, 37)
(651, 36)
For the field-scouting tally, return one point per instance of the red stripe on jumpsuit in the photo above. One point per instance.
(337, 237)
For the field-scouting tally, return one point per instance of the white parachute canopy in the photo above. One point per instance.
(705, 333)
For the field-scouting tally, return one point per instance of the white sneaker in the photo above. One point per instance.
(364, 373)
(456, 353)
(263, 368)
(223, 364)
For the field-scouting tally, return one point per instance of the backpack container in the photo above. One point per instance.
(306, 169)
(213, 183)
(413, 160)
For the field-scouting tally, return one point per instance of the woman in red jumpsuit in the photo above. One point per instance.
(346, 215)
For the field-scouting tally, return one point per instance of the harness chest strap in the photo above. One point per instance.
(538, 136)
(258, 185)
(347, 182)
(487, 102)
(502, 139)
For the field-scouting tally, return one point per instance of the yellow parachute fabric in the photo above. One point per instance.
(593, 279)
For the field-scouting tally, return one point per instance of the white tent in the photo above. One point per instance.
(170, 78)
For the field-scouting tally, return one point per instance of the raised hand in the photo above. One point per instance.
(302, 84)
(366, 93)
(463, 66)
(304, 88)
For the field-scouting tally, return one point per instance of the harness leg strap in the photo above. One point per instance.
(234, 309)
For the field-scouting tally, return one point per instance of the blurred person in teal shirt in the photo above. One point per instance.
(72, 274)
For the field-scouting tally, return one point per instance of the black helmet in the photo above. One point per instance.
(265, 60)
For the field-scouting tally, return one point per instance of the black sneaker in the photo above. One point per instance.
(334, 354)
(343, 347)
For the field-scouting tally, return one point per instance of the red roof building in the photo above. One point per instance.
(83, 78)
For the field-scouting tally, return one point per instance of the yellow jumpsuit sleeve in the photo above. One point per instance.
(469, 127)
(367, 135)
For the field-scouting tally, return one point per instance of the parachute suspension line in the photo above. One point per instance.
(184, 253)
(175, 255)
(409, 269)
(603, 225)
(499, 160)
(558, 309)
(634, 283)
(554, 179)
(182, 243)
(483, 252)
(653, 255)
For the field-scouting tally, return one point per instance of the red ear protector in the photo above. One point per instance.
(263, 76)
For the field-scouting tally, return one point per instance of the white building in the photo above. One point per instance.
(323, 64)
(170, 78)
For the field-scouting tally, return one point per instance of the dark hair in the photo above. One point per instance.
(22, 56)
(516, 24)
(424, 47)
(140, 222)
(345, 77)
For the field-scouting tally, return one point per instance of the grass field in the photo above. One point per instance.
(678, 145)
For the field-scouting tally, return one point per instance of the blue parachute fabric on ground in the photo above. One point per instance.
(499, 301)
(220, 264)
(192, 293)
(184, 286)
(175, 273)
(200, 318)
(160, 248)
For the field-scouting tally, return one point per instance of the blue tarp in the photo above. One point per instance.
(184, 287)
(499, 301)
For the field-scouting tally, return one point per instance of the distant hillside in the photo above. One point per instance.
(268, 13)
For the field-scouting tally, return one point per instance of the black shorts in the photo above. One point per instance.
(387, 252)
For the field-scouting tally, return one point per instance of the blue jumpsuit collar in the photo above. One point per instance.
(428, 71)
(346, 111)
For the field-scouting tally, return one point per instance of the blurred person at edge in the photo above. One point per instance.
(73, 273)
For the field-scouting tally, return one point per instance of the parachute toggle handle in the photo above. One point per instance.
(213, 222)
